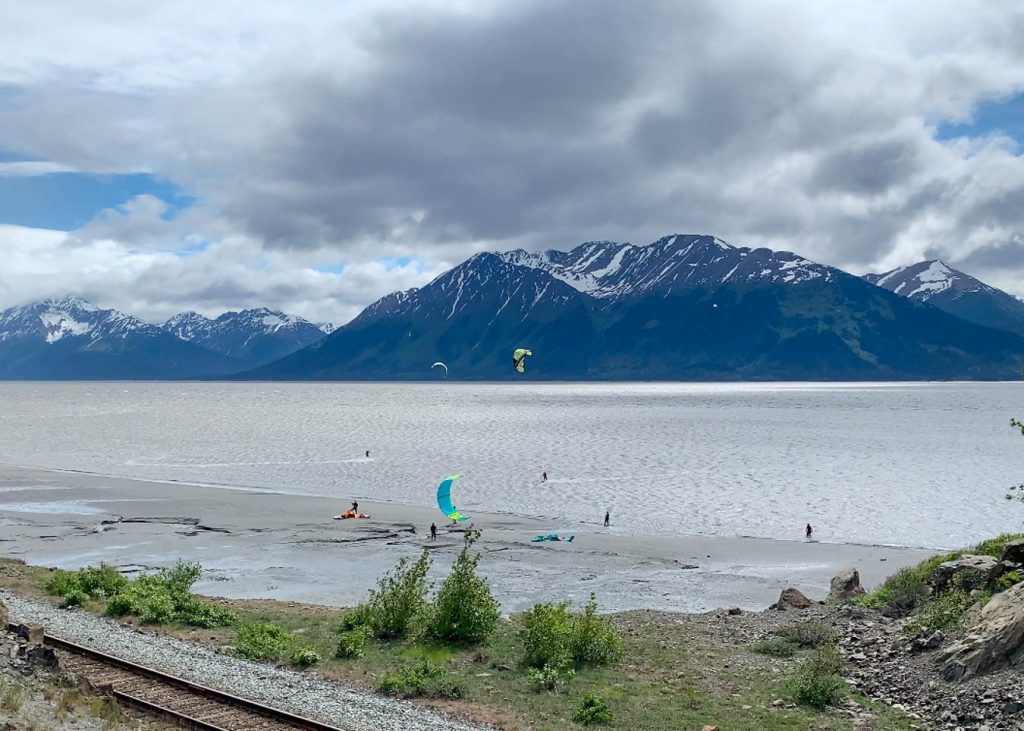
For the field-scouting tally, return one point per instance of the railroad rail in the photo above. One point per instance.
(187, 704)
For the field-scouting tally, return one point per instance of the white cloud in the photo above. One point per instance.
(323, 131)
(26, 169)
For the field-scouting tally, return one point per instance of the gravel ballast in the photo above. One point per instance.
(300, 693)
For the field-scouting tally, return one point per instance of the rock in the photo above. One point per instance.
(31, 632)
(932, 642)
(1012, 707)
(996, 638)
(735, 611)
(970, 572)
(778, 703)
(709, 728)
(845, 585)
(1014, 551)
(43, 656)
(1004, 567)
(791, 598)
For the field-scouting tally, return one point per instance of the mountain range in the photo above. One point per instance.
(686, 307)
(938, 284)
(71, 338)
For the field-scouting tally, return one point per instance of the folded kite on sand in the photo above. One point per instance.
(553, 537)
(350, 514)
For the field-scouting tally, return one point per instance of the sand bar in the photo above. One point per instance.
(263, 544)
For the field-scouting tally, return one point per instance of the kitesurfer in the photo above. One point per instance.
(355, 506)
(607, 518)
(808, 531)
(433, 532)
(544, 476)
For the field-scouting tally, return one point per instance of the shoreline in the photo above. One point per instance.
(257, 543)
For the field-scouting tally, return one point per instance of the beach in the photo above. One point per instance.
(257, 543)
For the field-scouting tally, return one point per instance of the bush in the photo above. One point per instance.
(591, 711)
(165, 598)
(304, 656)
(357, 617)
(74, 598)
(1009, 579)
(420, 678)
(775, 647)
(808, 634)
(547, 635)
(552, 635)
(548, 677)
(259, 641)
(398, 605)
(595, 640)
(994, 546)
(904, 591)
(94, 582)
(945, 612)
(352, 644)
(819, 682)
(464, 610)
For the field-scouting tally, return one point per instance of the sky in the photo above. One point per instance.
(314, 156)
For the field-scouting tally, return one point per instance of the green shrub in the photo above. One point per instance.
(464, 610)
(165, 598)
(399, 603)
(775, 647)
(945, 612)
(94, 582)
(259, 641)
(352, 644)
(547, 635)
(420, 678)
(74, 598)
(819, 682)
(808, 634)
(548, 677)
(592, 711)
(902, 592)
(357, 617)
(304, 656)
(994, 546)
(595, 640)
(1009, 579)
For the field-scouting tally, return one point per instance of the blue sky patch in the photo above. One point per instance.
(1004, 115)
(67, 201)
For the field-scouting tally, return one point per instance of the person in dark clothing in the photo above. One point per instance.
(809, 530)
(544, 476)
(433, 532)
(607, 518)
(355, 506)
(367, 452)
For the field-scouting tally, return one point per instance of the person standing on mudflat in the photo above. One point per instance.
(433, 532)
(607, 518)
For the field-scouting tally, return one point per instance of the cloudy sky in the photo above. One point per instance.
(314, 156)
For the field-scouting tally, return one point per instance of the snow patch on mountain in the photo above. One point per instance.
(52, 320)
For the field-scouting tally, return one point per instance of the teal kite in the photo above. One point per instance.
(519, 359)
(439, 363)
(444, 499)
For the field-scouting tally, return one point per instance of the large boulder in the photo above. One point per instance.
(1014, 551)
(995, 640)
(968, 572)
(791, 598)
(845, 586)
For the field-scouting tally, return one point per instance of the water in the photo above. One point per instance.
(901, 464)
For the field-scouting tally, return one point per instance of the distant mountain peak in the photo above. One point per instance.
(937, 283)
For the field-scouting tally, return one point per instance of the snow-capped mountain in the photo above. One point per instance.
(72, 338)
(253, 336)
(607, 270)
(683, 307)
(942, 286)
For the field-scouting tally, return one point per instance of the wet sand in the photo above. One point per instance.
(262, 544)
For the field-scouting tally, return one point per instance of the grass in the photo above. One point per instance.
(670, 675)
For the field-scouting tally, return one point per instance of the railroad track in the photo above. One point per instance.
(180, 701)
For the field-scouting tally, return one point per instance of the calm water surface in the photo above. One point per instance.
(905, 464)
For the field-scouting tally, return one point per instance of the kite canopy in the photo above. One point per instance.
(439, 363)
(519, 358)
(444, 498)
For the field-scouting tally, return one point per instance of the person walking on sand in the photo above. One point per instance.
(433, 532)
(544, 476)
(808, 531)
(607, 518)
